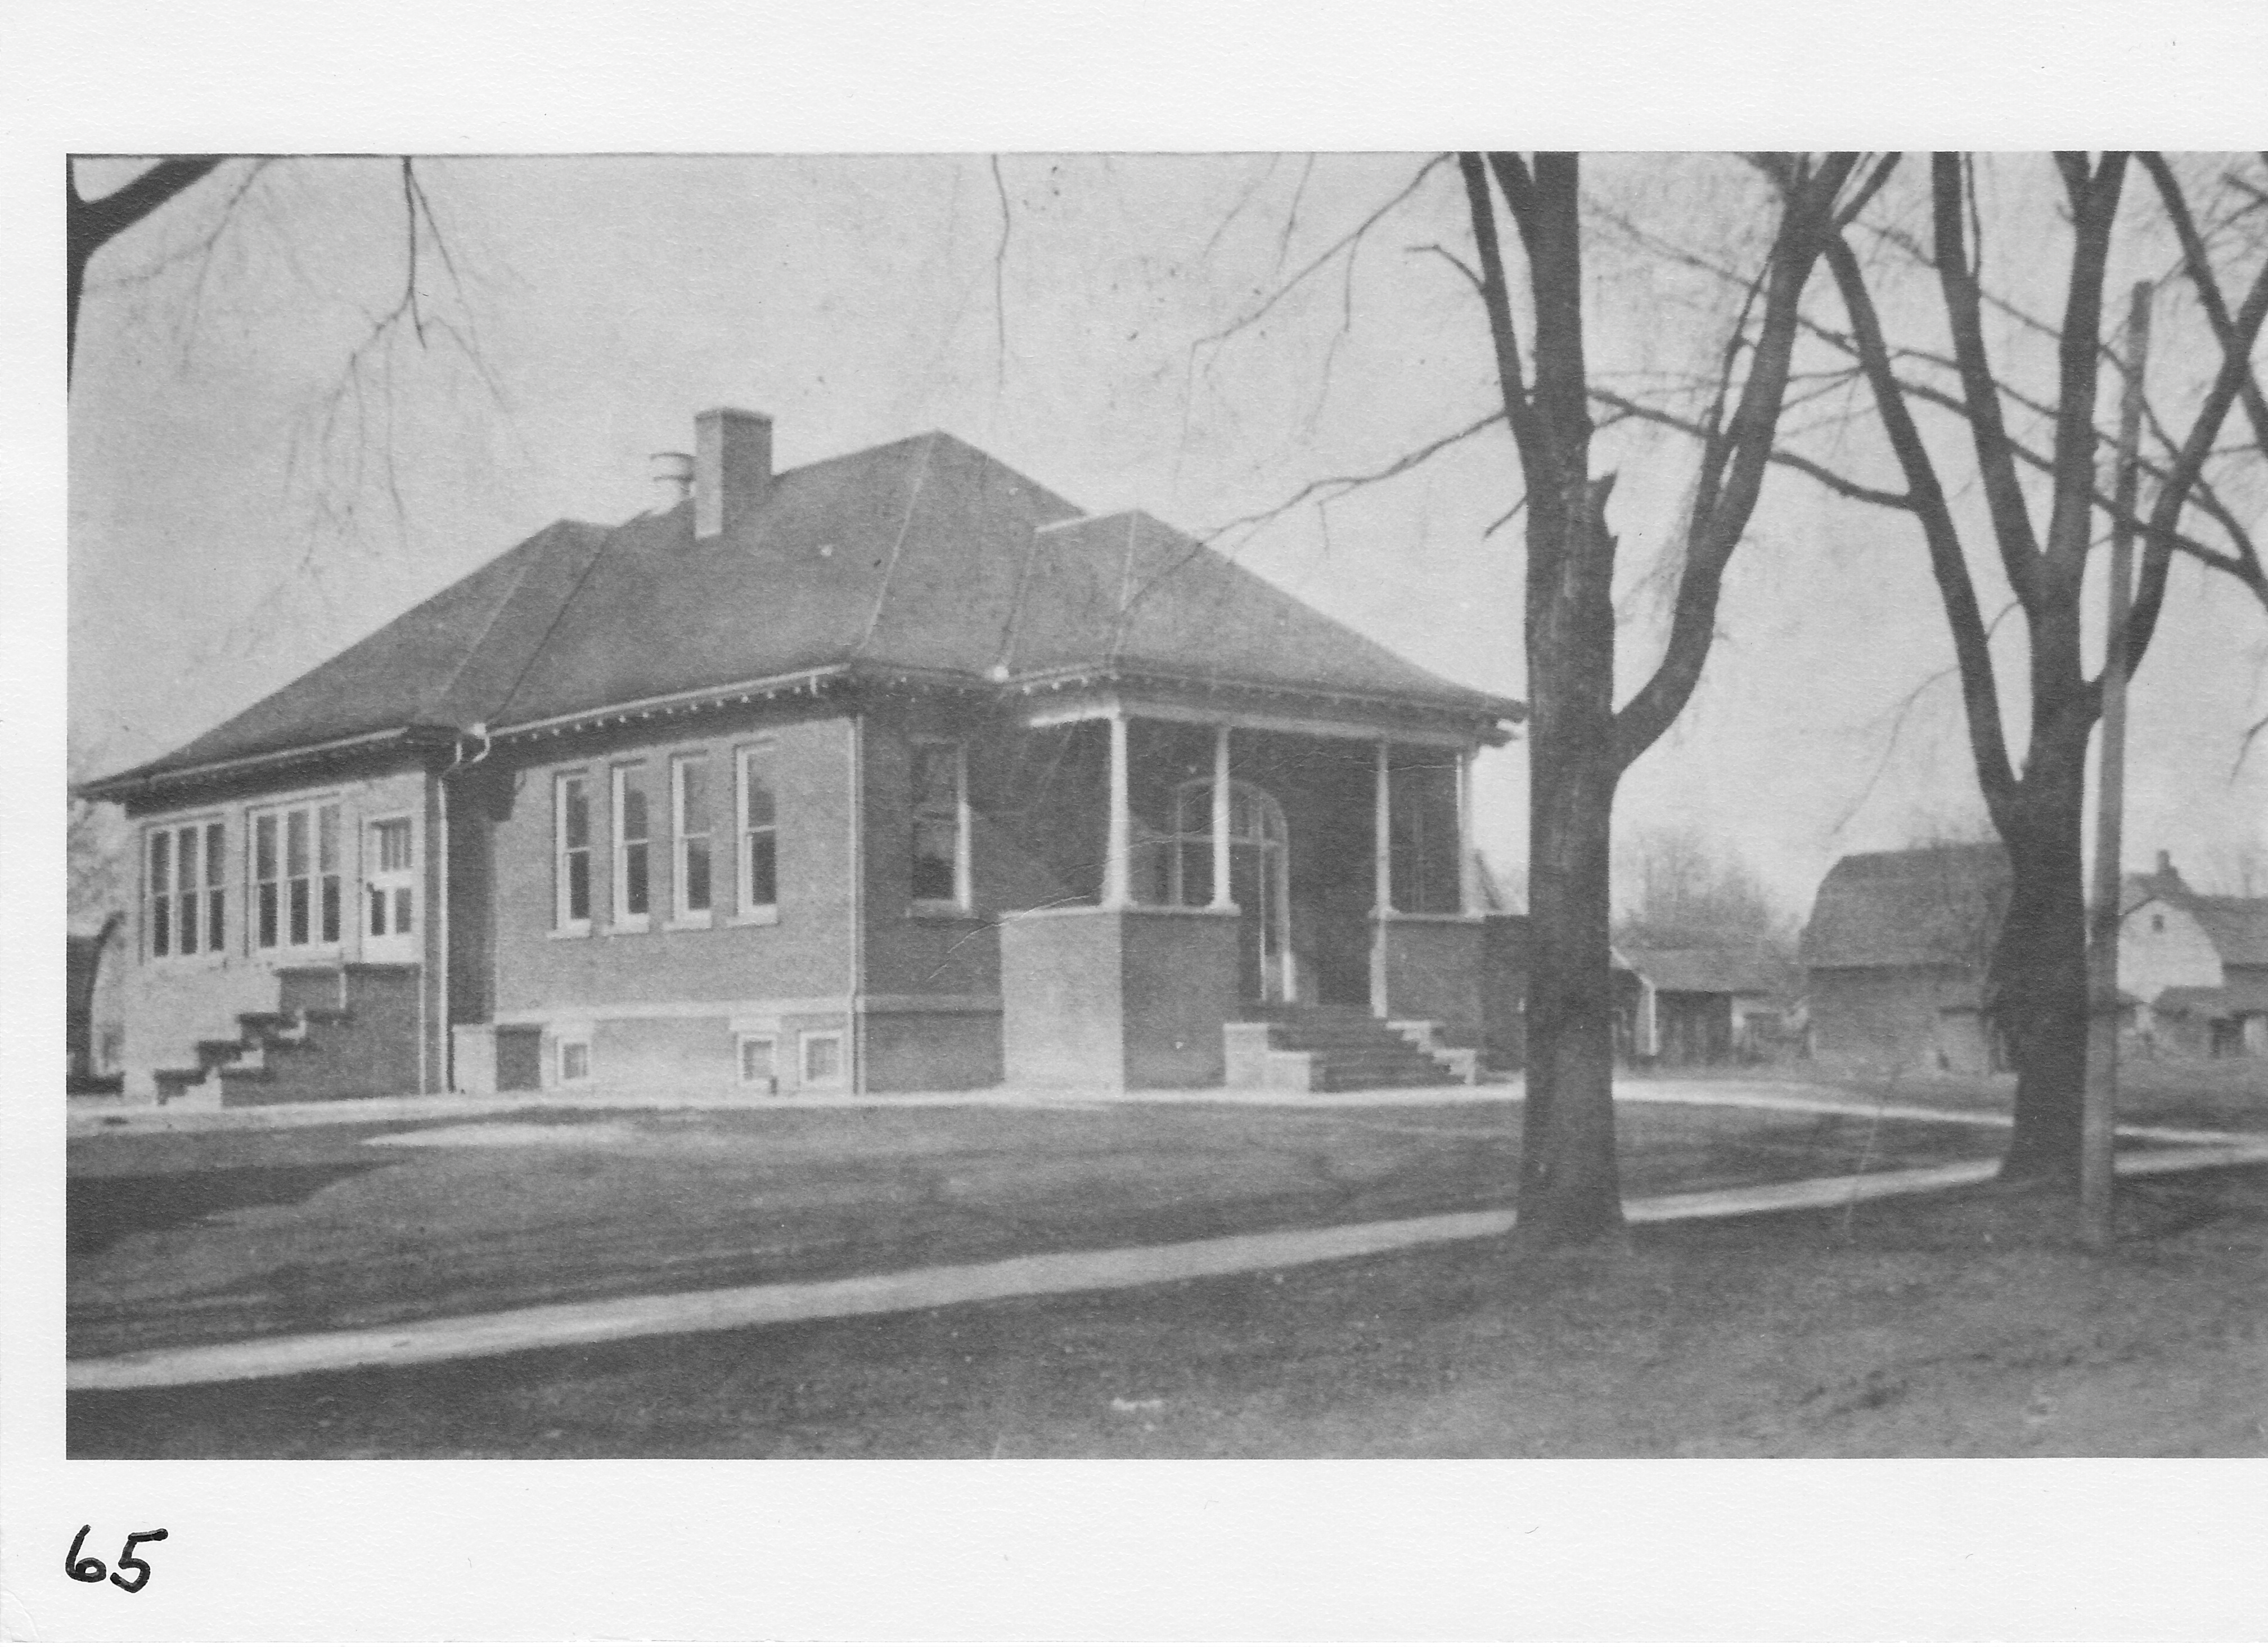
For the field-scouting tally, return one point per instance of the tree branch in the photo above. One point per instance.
(91, 224)
(2012, 520)
(1801, 465)
(2198, 265)
(1980, 690)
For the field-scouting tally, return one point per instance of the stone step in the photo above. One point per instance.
(173, 1083)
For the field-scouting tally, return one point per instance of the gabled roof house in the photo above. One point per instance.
(1895, 958)
(2194, 964)
(893, 771)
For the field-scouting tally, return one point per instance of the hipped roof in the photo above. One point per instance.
(924, 556)
(1925, 907)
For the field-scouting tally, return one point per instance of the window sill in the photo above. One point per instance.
(581, 928)
(939, 910)
(698, 920)
(629, 923)
(768, 915)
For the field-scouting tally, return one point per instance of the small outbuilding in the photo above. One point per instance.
(1699, 1003)
(1894, 959)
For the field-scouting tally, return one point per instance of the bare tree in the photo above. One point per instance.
(91, 224)
(1681, 887)
(2037, 989)
(2034, 446)
(1580, 743)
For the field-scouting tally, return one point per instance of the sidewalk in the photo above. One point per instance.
(552, 1326)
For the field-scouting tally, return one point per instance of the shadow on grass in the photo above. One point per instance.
(101, 1211)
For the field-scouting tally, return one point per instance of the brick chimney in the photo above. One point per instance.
(732, 467)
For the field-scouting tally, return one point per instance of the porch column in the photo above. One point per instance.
(1381, 817)
(1116, 877)
(1381, 812)
(1468, 890)
(1220, 818)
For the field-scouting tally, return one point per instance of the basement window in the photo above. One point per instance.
(759, 1061)
(824, 1062)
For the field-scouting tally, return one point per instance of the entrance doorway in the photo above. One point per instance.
(1259, 879)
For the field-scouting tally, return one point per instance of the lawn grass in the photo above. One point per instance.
(1961, 1324)
(209, 1237)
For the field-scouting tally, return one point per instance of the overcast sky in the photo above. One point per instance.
(243, 504)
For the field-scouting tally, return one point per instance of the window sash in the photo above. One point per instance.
(571, 853)
(756, 806)
(296, 877)
(692, 892)
(939, 862)
(633, 847)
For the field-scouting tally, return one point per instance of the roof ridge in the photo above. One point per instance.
(558, 614)
(440, 694)
(898, 547)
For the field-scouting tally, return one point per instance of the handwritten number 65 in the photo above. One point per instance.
(90, 1570)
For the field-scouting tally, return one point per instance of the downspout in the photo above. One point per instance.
(440, 900)
(858, 899)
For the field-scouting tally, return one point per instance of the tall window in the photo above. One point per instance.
(392, 892)
(633, 850)
(187, 905)
(295, 877)
(940, 866)
(689, 803)
(759, 829)
(571, 853)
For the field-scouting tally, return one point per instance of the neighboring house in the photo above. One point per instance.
(93, 1019)
(2194, 967)
(893, 771)
(1894, 959)
(1699, 1003)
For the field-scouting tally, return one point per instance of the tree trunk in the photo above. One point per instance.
(2037, 990)
(1570, 1186)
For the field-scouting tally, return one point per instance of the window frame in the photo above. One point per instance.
(374, 827)
(327, 902)
(564, 922)
(742, 1039)
(204, 902)
(748, 911)
(960, 903)
(804, 1041)
(564, 1043)
(619, 845)
(681, 913)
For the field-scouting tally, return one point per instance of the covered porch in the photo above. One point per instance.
(1223, 861)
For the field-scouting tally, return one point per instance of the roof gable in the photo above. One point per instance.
(1927, 907)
